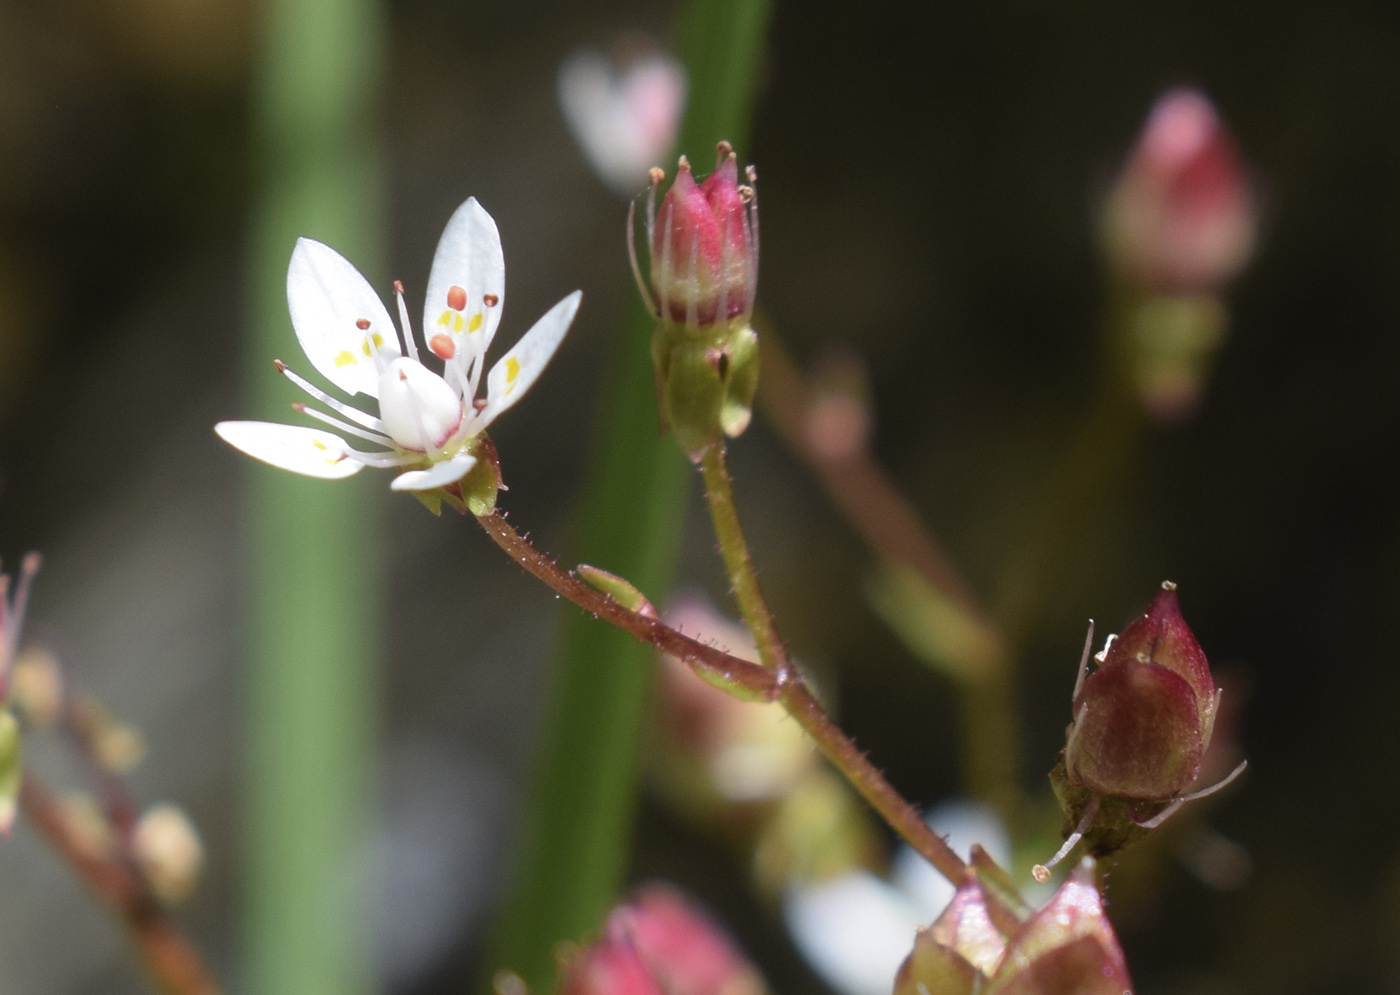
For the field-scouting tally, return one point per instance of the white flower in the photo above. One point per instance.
(429, 425)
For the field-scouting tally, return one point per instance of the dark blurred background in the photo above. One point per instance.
(931, 177)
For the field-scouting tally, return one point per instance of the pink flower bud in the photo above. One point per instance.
(611, 966)
(685, 950)
(660, 943)
(1143, 719)
(1181, 218)
(1068, 946)
(957, 954)
(704, 246)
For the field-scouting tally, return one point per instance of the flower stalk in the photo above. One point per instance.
(783, 684)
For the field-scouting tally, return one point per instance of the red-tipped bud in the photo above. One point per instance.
(1181, 218)
(1068, 946)
(704, 253)
(1142, 720)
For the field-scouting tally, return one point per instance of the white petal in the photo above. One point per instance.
(518, 369)
(291, 447)
(467, 287)
(448, 472)
(330, 301)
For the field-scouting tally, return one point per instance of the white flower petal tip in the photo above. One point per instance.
(516, 371)
(466, 287)
(307, 451)
(339, 320)
(439, 475)
(624, 118)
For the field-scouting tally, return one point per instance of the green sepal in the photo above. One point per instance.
(737, 410)
(705, 381)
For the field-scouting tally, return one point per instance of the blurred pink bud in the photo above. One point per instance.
(610, 966)
(1143, 718)
(1181, 218)
(1068, 947)
(623, 113)
(660, 943)
(684, 948)
(704, 245)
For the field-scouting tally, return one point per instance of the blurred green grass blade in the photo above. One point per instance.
(576, 837)
(312, 545)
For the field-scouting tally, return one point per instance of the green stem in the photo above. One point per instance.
(782, 683)
(795, 695)
(743, 579)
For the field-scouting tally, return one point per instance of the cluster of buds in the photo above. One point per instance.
(1180, 224)
(703, 240)
(975, 948)
(659, 944)
(1141, 726)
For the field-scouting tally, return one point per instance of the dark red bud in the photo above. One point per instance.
(1067, 947)
(1142, 719)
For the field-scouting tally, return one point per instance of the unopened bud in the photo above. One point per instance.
(703, 241)
(167, 848)
(1181, 218)
(958, 953)
(1143, 718)
(683, 947)
(36, 686)
(1067, 946)
(1141, 725)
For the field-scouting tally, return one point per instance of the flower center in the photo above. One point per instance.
(419, 410)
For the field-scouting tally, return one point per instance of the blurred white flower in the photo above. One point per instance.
(623, 114)
(856, 929)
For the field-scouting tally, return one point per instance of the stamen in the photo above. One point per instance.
(410, 347)
(380, 460)
(751, 220)
(14, 614)
(1041, 872)
(1171, 809)
(354, 414)
(632, 255)
(667, 230)
(1083, 663)
(344, 426)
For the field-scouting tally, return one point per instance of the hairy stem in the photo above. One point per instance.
(781, 683)
(174, 964)
(743, 579)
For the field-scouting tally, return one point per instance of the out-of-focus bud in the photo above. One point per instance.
(703, 241)
(610, 966)
(168, 850)
(116, 746)
(1068, 946)
(1179, 224)
(684, 948)
(958, 953)
(1182, 219)
(660, 944)
(1141, 725)
(623, 111)
(36, 686)
(11, 769)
